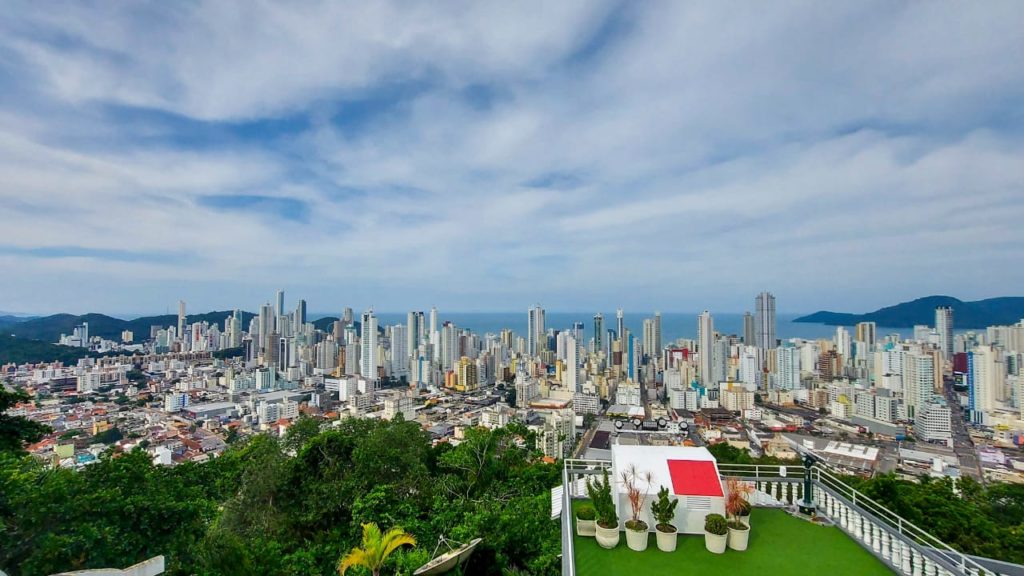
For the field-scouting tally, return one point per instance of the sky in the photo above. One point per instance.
(491, 155)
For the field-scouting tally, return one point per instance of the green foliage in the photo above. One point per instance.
(109, 436)
(23, 350)
(986, 521)
(229, 353)
(288, 507)
(16, 431)
(586, 512)
(664, 508)
(600, 493)
(716, 524)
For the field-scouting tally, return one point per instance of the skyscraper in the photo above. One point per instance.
(300, 316)
(347, 316)
(705, 344)
(279, 310)
(598, 331)
(181, 317)
(368, 341)
(657, 335)
(867, 333)
(764, 310)
(535, 336)
(266, 324)
(399, 350)
(748, 329)
(414, 331)
(620, 325)
(944, 326)
(571, 375)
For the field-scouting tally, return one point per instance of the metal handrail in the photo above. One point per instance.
(903, 526)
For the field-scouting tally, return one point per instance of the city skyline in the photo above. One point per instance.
(635, 150)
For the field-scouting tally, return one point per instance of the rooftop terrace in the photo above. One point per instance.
(779, 544)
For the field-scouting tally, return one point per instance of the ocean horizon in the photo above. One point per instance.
(674, 325)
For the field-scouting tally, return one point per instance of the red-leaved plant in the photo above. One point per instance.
(736, 502)
(637, 496)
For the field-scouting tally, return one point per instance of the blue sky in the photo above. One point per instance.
(487, 156)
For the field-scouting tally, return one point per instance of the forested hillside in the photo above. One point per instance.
(286, 507)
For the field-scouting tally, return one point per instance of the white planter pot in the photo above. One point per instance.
(607, 537)
(586, 527)
(636, 539)
(715, 543)
(745, 520)
(666, 540)
(738, 538)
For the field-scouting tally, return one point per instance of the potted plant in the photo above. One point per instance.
(636, 529)
(585, 523)
(716, 533)
(745, 508)
(735, 504)
(664, 511)
(607, 531)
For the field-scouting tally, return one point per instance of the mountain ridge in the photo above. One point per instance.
(1002, 310)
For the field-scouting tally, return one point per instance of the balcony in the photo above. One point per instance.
(866, 538)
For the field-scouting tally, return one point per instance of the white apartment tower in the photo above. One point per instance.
(368, 341)
(705, 343)
(944, 327)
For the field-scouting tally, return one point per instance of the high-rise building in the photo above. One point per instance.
(399, 350)
(449, 346)
(414, 331)
(656, 353)
(867, 333)
(300, 317)
(648, 344)
(181, 317)
(347, 316)
(598, 331)
(918, 375)
(705, 345)
(620, 325)
(787, 367)
(749, 337)
(535, 337)
(368, 341)
(279, 308)
(764, 311)
(986, 374)
(571, 374)
(944, 326)
(266, 324)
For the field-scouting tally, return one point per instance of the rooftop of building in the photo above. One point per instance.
(779, 544)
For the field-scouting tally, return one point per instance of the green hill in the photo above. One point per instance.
(975, 315)
(49, 328)
(22, 350)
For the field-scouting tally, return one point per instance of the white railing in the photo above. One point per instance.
(894, 523)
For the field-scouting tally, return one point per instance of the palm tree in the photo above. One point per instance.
(376, 548)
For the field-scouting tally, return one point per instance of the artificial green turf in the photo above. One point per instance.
(779, 545)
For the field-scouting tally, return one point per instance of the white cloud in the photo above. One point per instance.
(843, 156)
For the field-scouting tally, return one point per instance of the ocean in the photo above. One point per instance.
(674, 325)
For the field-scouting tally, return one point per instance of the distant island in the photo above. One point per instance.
(978, 314)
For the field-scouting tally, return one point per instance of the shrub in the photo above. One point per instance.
(664, 510)
(716, 524)
(600, 492)
(586, 512)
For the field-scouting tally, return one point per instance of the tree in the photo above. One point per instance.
(375, 549)
(16, 431)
